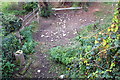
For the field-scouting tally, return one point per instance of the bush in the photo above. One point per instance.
(28, 47)
(46, 11)
(12, 8)
(28, 7)
(7, 69)
(10, 44)
(11, 23)
(29, 43)
(64, 56)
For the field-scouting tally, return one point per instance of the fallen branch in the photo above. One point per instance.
(58, 9)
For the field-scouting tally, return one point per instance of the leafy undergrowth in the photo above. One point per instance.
(97, 56)
(11, 43)
(16, 8)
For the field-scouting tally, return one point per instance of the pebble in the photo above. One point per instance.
(61, 76)
(38, 71)
(42, 35)
(80, 19)
(64, 34)
(51, 40)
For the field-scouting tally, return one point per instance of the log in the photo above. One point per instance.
(19, 57)
(58, 9)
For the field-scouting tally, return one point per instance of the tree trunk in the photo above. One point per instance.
(19, 57)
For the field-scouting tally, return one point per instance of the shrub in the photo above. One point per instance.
(64, 56)
(29, 43)
(11, 23)
(10, 44)
(28, 47)
(46, 11)
(28, 7)
(7, 69)
(12, 8)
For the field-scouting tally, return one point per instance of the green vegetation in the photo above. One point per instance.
(16, 8)
(11, 8)
(29, 43)
(28, 7)
(96, 56)
(11, 43)
(46, 11)
(11, 23)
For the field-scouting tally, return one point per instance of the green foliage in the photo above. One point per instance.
(11, 23)
(28, 47)
(7, 69)
(15, 8)
(97, 56)
(30, 6)
(10, 44)
(27, 33)
(29, 43)
(46, 11)
(11, 8)
(64, 56)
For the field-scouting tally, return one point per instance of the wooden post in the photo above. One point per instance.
(19, 57)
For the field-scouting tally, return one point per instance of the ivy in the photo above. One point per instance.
(97, 56)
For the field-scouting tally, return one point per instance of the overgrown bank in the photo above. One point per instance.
(96, 56)
(12, 43)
